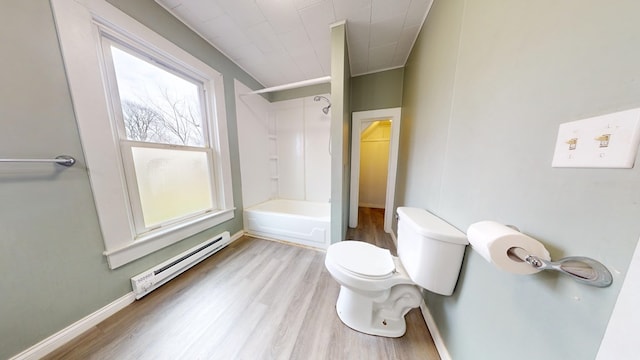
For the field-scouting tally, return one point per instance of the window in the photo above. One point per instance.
(153, 127)
(162, 129)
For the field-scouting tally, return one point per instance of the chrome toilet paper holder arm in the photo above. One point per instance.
(581, 269)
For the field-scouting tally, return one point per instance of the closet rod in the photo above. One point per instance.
(64, 160)
(320, 80)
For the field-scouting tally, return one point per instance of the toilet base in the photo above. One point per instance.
(378, 313)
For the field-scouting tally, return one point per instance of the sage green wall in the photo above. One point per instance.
(53, 270)
(300, 92)
(340, 132)
(381, 90)
(485, 89)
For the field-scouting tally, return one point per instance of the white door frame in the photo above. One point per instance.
(620, 340)
(358, 119)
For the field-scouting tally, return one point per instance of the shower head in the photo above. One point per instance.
(318, 98)
(325, 110)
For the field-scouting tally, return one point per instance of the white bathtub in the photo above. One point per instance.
(302, 222)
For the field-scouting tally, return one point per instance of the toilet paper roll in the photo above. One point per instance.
(492, 240)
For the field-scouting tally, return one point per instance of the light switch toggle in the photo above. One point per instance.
(572, 143)
(604, 140)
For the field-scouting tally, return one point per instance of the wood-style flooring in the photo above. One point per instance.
(256, 299)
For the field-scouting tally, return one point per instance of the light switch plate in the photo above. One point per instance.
(607, 141)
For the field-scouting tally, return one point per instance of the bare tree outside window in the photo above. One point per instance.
(163, 120)
(141, 122)
(157, 105)
(181, 117)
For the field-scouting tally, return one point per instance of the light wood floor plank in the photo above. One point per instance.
(256, 299)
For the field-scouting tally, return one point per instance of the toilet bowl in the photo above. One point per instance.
(375, 290)
(378, 289)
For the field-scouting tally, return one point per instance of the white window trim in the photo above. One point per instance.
(79, 40)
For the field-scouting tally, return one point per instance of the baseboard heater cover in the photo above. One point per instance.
(155, 277)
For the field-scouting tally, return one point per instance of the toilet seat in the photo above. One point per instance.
(364, 266)
(362, 259)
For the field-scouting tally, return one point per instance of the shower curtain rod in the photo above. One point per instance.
(320, 80)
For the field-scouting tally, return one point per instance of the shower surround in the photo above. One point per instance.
(285, 155)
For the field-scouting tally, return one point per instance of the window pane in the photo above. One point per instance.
(157, 105)
(172, 183)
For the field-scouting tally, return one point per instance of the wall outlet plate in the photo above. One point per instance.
(607, 141)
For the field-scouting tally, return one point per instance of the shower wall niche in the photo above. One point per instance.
(284, 148)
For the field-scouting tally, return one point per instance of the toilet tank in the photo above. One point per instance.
(430, 249)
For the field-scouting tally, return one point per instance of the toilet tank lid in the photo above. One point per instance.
(431, 226)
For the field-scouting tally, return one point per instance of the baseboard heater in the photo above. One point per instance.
(155, 277)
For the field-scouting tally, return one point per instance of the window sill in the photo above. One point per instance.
(161, 238)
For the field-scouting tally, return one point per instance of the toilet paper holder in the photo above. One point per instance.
(581, 269)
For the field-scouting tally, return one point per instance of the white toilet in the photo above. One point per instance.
(378, 289)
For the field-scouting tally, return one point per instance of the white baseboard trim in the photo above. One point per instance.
(236, 236)
(69, 333)
(370, 205)
(435, 333)
(393, 237)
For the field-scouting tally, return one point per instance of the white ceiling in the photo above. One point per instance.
(285, 41)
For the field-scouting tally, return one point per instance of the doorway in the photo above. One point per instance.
(360, 121)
